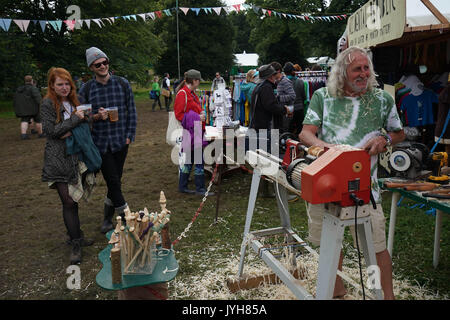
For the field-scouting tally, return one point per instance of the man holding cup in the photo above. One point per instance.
(114, 127)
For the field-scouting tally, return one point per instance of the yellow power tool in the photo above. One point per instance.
(437, 161)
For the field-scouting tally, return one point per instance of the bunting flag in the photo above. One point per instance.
(98, 21)
(185, 10)
(70, 24)
(5, 24)
(43, 24)
(23, 25)
(56, 24)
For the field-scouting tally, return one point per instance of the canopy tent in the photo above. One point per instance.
(321, 61)
(426, 20)
(244, 62)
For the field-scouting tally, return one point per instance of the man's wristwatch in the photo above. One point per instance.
(387, 137)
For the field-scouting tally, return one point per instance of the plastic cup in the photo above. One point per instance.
(290, 108)
(87, 108)
(113, 114)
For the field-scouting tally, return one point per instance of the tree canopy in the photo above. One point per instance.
(207, 42)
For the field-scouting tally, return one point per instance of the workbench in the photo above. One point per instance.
(441, 206)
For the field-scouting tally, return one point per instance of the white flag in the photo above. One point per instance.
(23, 24)
(217, 10)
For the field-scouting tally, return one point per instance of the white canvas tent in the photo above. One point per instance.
(321, 61)
(246, 59)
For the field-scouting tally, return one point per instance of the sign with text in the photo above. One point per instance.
(376, 22)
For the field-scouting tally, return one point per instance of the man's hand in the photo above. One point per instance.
(128, 141)
(375, 145)
(103, 114)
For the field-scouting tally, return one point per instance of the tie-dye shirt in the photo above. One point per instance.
(354, 121)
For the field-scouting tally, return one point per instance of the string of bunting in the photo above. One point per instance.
(5, 23)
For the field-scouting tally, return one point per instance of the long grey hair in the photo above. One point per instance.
(338, 74)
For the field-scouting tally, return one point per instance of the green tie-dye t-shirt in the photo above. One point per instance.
(353, 121)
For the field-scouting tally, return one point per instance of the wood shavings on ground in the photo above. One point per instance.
(210, 282)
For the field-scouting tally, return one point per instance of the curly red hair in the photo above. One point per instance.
(51, 94)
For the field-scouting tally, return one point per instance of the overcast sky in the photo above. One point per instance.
(413, 7)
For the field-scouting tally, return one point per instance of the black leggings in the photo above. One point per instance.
(70, 211)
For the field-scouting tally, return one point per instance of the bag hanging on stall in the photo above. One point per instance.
(165, 93)
(174, 134)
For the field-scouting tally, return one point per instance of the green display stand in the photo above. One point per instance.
(165, 270)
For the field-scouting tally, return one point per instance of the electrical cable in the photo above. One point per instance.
(357, 202)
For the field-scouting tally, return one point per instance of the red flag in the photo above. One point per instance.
(270, 12)
(237, 7)
(158, 13)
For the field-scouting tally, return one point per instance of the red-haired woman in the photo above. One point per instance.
(62, 170)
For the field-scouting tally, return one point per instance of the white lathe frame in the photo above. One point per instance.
(331, 241)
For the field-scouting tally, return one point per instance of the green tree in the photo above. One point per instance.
(206, 40)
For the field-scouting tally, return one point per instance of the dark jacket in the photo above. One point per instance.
(444, 103)
(265, 107)
(27, 100)
(81, 143)
(300, 95)
(58, 165)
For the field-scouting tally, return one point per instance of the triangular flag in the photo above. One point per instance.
(70, 24)
(206, 10)
(34, 21)
(43, 24)
(245, 6)
(228, 9)
(56, 24)
(167, 12)
(256, 9)
(264, 11)
(185, 10)
(196, 10)
(134, 17)
(159, 14)
(152, 15)
(112, 19)
(284, 15)
(270, 12)
(237, 7)
(88, 23)
(142, 15)
(98, 21)
(217, 10)
(5, 24)
(23, 24)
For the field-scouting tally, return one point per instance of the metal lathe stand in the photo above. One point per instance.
(331, 242)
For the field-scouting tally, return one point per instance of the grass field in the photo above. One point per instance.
(35, 258)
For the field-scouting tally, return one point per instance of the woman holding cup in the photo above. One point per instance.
(64, 171)
(188, 111)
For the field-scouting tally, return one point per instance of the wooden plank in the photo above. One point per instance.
(255, 282)
(428, 27)
(435, 11)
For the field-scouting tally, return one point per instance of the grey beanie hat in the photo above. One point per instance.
(93, 54)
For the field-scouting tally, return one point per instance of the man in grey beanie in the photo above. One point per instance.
(112, 136)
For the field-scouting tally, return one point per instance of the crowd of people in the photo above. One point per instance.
(81, 144)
